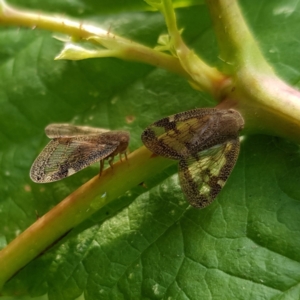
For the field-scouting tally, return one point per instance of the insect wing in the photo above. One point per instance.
(68, 130)
(176, 136)
(203, 176)
(63, 157)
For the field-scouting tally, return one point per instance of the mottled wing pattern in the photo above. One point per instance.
(202, 176)
(206, 144)
(63, 157)
(175, 136)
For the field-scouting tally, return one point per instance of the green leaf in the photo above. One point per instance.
(148, 244)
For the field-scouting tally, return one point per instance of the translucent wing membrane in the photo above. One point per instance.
(63, 157)
(74, 148)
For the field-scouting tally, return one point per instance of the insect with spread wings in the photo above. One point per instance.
(73, 148)
(206, 143)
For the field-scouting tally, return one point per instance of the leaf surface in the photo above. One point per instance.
(148, 244)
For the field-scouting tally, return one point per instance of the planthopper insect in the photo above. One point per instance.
(205, 141)
(72, 148)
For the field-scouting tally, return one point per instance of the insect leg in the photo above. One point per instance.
(110, 161)
(125, 154)
(101, 166)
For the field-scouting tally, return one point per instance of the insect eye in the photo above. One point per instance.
(149, 133)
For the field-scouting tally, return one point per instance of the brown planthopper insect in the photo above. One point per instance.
(73, 148)
(205, 141)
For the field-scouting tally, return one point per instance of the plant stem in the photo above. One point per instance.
(206, 78)
(238, 47)
(267, 103)
(77, 207)
(127, 49)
